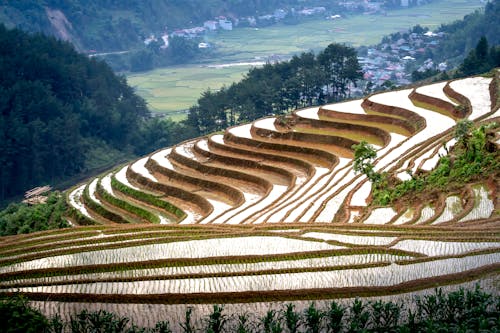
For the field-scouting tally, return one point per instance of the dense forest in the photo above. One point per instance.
(63, 114)
(472, 310)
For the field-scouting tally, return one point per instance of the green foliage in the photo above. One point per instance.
(271, 322)
(471, 310)
(385, 316)
(340, 64)
(98, 321)
(148, 198)
(313, 318)
(472, 157)
(292, 318)
(359, 316)
(140, 212)
(335, 316)
(462, 35)
(17, 316)
(54, 105)
(364, 155)
(275, 89)
(216, 320)
(99, 209)
(187, 325)
(243, 324)
(22, 218)
(481, 59)
(418, 76)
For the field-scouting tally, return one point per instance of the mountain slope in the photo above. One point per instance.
(57, 108)
(273, 211)
(119, 25)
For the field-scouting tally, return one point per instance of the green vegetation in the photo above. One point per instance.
(462, 310)
(481, 59)
(19, 317)
(55, 105)
(148, 198)
(63, 115)
(121, 25)
(125, 205)
(278, 88)
(474, 157)
(462, 35)
(364, 155)
(22, 218)
(168, 90)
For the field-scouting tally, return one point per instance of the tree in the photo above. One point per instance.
(271, 323)
(462, 130)
(341, 66)
(54, 105)
(364, 154)
(482, 49)
(182, 50)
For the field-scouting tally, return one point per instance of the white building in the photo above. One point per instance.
(225, 24)
(210, 25)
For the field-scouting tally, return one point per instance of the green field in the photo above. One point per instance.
(168, 90)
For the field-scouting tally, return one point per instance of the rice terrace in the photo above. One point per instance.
(282, 210)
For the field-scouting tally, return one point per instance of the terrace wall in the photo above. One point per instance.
(407, 128)
(243, 163)
(416, 122)
(210, 170)
(464, 101)
(322, 155)
(333, 126)
(436, 104)
(223, 190)
(300, 164)
(193, 198)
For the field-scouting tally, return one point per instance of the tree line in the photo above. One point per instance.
(472, 310)
(275, 89)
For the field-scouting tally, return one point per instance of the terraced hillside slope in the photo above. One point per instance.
(273, 211)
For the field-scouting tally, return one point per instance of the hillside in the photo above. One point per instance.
(61, 113)
(121, 25)
(274, 211)
(462, 35)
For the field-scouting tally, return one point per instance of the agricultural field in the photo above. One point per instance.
(272, 212)
(172, 90)
(169, 90)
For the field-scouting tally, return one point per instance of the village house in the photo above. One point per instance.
(211, 25)
(225, 24)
